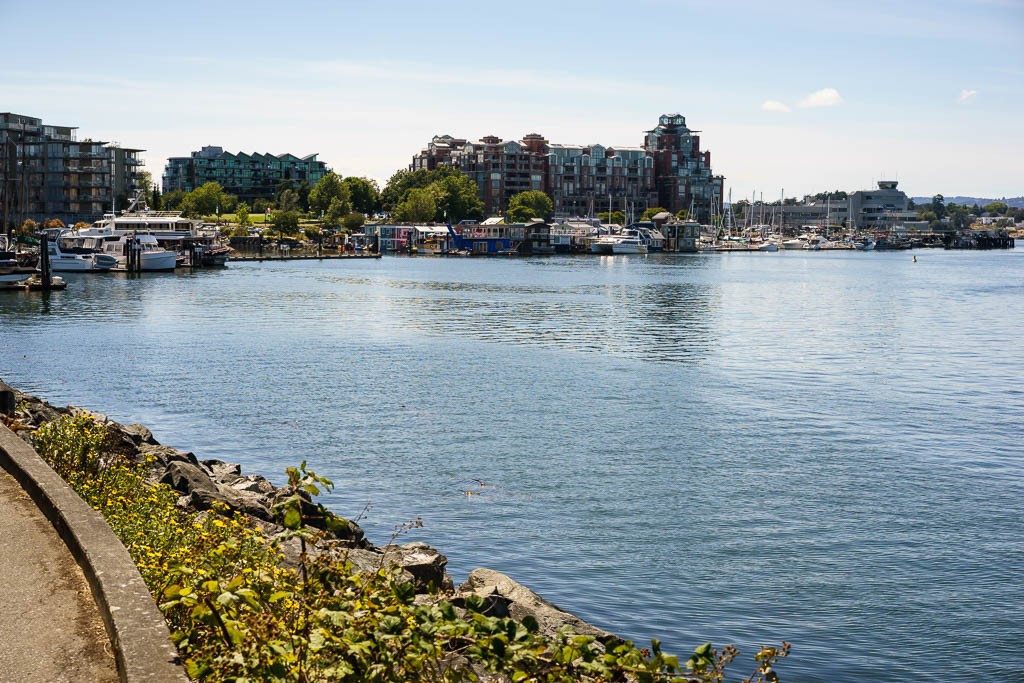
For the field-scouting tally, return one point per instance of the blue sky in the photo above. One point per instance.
(791, 96)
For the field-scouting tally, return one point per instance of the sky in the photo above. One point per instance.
(790, 97)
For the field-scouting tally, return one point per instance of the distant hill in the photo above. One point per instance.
(1016, 202)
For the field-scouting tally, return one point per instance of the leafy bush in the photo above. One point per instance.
(237, 614)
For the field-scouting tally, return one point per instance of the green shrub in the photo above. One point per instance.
(236, 614)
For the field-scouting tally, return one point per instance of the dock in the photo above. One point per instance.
(302, 257)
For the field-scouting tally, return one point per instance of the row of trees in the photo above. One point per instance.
(961, 216)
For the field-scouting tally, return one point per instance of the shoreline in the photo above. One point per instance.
(201, 484)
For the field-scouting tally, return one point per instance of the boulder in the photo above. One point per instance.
(164, 455)
(224, 472)
(518, 601)
(184, 477)
(421, 565)
(139, 434)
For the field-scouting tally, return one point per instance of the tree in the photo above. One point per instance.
(242, 215)
(616, 217)
(996, 208)
(327, 191)
(651, 213)
(172, 200)
(938, 205)
(364, 194)
(145, 182)
(418, 206)
(337, 210)
(400, 183)
(530, 204)
(288, 201)
(457, 198)
(959, 216)
(683, 214)
(156, 201)
(353, 221)
(208, 199)
(286, 222)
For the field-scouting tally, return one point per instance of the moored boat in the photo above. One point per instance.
(629, 245)
(67, 256)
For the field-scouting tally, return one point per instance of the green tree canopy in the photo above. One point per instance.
(457, 198)
(530, 204)
(455, 195)
(328, 190)
(418, 206)
(364, 194)
(401, 182)
(998, 208)
(336, 212)
(206, 200)
(938, 205)
(286, 222)
(288, 200)
(242, 215)
(616, 217)
(172, 200)
(353, 221)
(651, 213)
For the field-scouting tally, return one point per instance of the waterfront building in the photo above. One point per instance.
(682, 170)
(880, 209)
(583, 180)
(46, 172)
(247, 176)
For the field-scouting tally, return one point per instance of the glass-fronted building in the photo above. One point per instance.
(247, 176)
(47, 172)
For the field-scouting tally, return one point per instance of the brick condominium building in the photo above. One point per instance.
(670, 171)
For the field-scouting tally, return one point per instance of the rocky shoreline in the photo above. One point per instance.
(202, 484)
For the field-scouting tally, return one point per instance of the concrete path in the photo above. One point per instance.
(51, 630)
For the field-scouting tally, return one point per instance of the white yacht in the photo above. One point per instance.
(133, 252)
(629, 245)
(799, 242)
(68, 256)
(604, 244)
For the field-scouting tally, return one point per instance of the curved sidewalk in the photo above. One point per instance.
(75, 608)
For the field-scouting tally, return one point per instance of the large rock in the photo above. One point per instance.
(518, 601)
(184, 477)
(421, 565)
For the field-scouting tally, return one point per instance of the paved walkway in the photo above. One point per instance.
(51, 630)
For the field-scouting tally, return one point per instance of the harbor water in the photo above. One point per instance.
(824, 448)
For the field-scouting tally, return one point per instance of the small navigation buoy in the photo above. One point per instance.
(915, 259)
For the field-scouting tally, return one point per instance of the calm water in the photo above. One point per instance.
(824, 448)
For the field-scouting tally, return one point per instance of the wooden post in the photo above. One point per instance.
(44, 261)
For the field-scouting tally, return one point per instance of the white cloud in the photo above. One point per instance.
(967, 96)
(774, 105)
(826, 97)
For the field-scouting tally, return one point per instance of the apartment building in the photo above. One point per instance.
(46, 172)
(682, 171)
(248, 176)
(583, 180)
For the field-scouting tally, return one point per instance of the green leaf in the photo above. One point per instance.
(292, 518)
